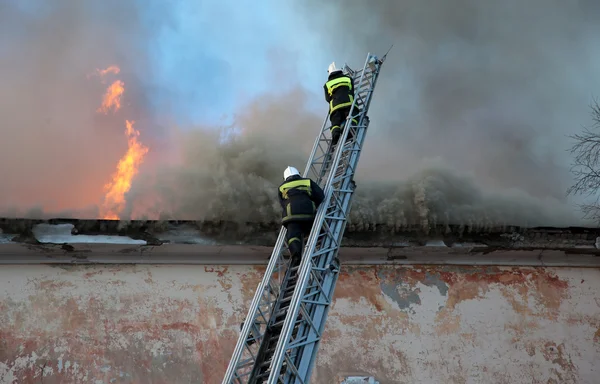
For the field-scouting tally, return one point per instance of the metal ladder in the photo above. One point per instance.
(278, 342)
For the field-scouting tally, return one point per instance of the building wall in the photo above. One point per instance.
(404, 324)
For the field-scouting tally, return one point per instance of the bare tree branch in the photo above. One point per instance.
(591, 211)
(586, 164)
(586, 157)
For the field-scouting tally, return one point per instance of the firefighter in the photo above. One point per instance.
(339, 93)
(299, 198)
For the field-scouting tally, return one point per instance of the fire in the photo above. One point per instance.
(128, 166)
(112, 97)
(112, 69)
(103, 72)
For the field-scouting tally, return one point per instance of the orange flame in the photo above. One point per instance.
(112, 97)
(112, 69)
(103, 72)
(128, 166)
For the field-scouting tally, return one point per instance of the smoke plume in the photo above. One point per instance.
(491, 88)
(468, 122)
(237, 180)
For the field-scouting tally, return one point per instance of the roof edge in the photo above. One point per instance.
(192, 254)
(156, 232)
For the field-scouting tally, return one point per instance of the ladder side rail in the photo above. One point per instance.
(266, 282)
(319, 260)
(316, 279)
(309, 350)
(305, 266)
(324, 257)
(333, 219)
(317, 229)
(257, 360)
(309, 353)
(253, 309)
(355, 146)
(290, 319)
(337, 217)
(313, 302)
(309, 248)
(318, 297)
(355, 155)
(348, 123)
(310, 165)
(271, 330)
(318, 308)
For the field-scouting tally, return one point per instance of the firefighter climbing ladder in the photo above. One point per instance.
(279, 339)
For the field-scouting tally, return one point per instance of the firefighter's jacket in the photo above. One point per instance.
(299, 198)
(339, 91)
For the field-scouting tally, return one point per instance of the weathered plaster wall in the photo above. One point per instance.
(400, 324)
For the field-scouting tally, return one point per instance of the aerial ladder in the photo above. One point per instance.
(280, 336)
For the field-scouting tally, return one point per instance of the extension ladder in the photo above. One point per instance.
(279, 339)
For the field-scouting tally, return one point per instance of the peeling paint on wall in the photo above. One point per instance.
(179, 324)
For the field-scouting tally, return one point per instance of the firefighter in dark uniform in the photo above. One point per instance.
(299, 198)
(339, 93)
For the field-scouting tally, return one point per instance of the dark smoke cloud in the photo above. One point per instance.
(237, 180)
(491, 87)
(488, 89)
(468, 122)
(234, 179)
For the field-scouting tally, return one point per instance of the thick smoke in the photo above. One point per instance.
(468, 122)
(490, 87)
(237, 180)
(469, 125)
(230, 178)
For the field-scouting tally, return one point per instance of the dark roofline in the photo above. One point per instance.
(264, 234)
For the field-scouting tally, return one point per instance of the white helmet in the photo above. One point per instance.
(331, 68)
(290, 171)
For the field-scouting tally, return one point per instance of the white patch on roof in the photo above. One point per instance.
(6, 238)
(435, 243)
(61, 233)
